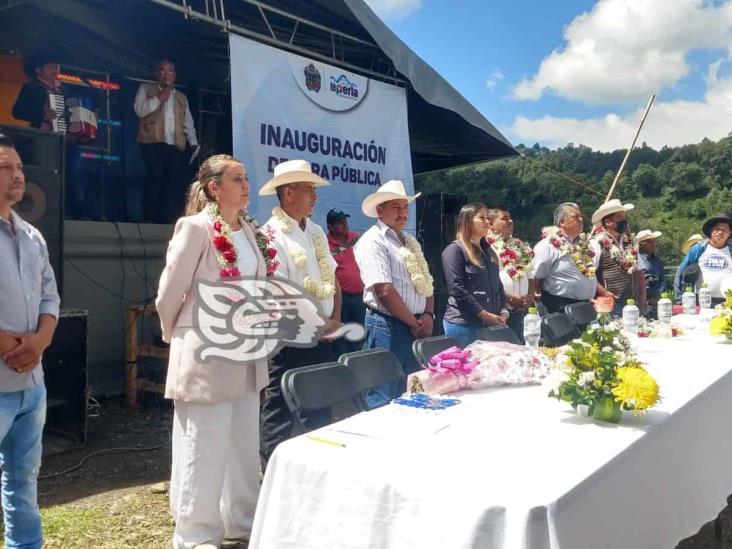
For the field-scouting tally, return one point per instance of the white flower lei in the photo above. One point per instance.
(327, 288)
(625, 257)
(417, 267)
(283, 218)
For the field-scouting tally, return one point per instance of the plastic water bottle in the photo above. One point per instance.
(705, 297)
(532, 328)
(688, 301)
(665, 308)
(631, 317)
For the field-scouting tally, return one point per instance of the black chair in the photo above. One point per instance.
(320, 394)
(375, 368)
(427, 347)
(581, 314)
(498, 333)
(558, 329)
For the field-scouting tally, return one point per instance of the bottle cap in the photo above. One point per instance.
(532, 310)
(687, 289)
(631, 301)
(664, 295)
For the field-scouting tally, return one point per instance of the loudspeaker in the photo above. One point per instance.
(436, 222)
(42, 154)
(65, 371)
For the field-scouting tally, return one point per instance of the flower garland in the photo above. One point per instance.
(626, 259)
(514, 254)
(417, 266)
(226, 253)
(579, 252)
(285, 220)
(327, 288)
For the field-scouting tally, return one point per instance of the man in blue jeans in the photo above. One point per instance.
(29, 306)
(398, 288)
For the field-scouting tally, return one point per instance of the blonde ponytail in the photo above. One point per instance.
(197, 198)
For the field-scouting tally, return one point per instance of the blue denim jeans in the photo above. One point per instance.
(393, 335)
(22, 415)
(463, 333)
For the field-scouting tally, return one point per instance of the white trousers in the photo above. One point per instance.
(214, 481)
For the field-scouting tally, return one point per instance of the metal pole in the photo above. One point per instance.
(627, 154)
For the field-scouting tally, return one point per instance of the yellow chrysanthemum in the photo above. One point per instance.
(636, 389)
(718, 325)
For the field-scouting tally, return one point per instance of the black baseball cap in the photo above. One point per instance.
(335, 215)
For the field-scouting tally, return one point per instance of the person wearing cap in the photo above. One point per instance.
(713, 255)
(398, 287)
(341, 241)
(165, 126)
(565, 261)
(32, 103)
(618, 269)
(652, 266)
(302, 251)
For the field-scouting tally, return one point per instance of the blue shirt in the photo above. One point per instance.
(27, 290)
(654, 273)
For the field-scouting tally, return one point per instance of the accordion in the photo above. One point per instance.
(75, 117)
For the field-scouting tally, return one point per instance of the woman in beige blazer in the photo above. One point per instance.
(215, 472)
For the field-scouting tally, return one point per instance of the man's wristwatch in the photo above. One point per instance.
(429, 313)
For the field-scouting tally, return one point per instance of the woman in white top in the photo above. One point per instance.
(215, 471)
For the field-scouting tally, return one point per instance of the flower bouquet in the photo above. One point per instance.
(599, 371)
(721, 324)
(481, 364)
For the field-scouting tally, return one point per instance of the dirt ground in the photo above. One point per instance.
(119, 499)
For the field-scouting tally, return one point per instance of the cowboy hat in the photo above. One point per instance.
(391, 190)
(689, 242)
(292, 171)
(609, 207)
(709, 223)
(647, 234)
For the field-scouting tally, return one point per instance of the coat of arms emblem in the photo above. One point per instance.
(312, 78)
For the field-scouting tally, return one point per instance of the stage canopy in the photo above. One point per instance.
(128, 37)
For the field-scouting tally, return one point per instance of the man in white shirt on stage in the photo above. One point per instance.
(304, 258)
(398, 287)
(165, 126)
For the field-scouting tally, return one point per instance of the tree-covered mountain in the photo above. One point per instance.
(674, 189)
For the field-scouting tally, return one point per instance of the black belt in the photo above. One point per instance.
(378, 312)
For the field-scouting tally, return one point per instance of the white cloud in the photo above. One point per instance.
(394, 9)
(669, 123)
(492, 80)
(624, 50)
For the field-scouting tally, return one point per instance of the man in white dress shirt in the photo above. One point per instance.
(305, 259)
(165, 126)
(397, 312)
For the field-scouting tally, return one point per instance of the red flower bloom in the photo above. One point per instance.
(272, 253)
(556, 243)
(634, 252)
(229, 256)
(590, 253)
(221, 243)
(217, 226)
(490, 240)
(512, 273)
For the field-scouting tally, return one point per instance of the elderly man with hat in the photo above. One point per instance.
(618, 269)
(713, 256)
(398, 287)
(302, 250)
(652, 266)
(341, 241)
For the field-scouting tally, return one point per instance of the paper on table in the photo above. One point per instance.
(393, 422)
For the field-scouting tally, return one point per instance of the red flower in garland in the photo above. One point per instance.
(229, 256)
(221, 243)
(272, 253)
(556, 243)
(512, 272)
(217, 226)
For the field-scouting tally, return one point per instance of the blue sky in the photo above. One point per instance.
(609, 55)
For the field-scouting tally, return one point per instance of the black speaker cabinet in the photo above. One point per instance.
(42, 206)
(65, 370)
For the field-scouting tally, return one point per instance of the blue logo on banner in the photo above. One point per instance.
(344, 87)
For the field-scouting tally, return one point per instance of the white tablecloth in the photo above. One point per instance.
(517, 469)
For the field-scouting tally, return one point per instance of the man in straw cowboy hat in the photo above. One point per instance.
(652, 266)
(398, 287)
(302, 250)
(618, 269)
(713, 255)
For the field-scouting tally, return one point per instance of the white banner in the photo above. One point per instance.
(352, 129)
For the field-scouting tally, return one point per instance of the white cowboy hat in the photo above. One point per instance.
(689, 242)
(292, 171)
(609, 207)
(391, 190)
(647, 234)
